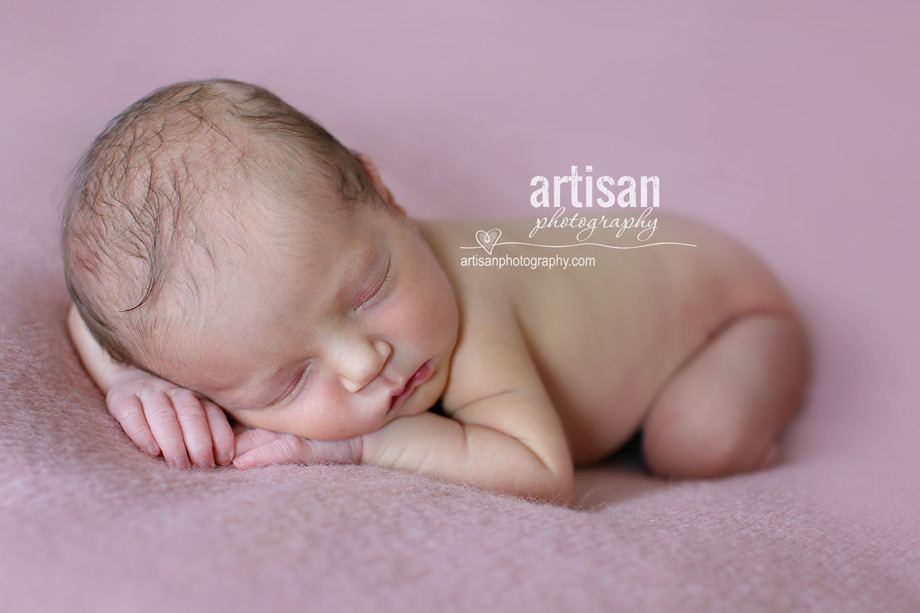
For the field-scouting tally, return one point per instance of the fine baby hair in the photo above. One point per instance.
(138, 219)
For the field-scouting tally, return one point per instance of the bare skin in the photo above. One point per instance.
(699, 347)
(537, 371)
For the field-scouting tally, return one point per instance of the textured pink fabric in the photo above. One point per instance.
(792, 125)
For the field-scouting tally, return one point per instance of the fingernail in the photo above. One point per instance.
(182, 463)
(153, 450)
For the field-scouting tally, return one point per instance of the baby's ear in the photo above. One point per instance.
(371, 169)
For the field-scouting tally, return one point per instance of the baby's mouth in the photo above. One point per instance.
(420, 376)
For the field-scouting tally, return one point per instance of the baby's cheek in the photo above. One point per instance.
(404, 318)
(441, 317)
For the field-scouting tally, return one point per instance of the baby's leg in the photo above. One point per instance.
(721, 412)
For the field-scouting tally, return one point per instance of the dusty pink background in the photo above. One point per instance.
(793, 125)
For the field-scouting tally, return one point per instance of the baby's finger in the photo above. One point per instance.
(238, 428)
(252, 438)
(161, 417)
(221, 433)
(195, 428)
(130, 414)
(283, 450)
(347, 451)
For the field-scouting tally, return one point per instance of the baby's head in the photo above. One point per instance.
(219, 238)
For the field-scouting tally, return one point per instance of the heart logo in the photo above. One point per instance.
(488, 240)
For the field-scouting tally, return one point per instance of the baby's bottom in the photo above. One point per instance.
(721, 412)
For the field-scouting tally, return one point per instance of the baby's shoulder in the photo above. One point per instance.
(455, 236)
(488, 290)
(491, 352)
(456, 244)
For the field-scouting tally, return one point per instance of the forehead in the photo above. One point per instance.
(266, 234)
(294, 269)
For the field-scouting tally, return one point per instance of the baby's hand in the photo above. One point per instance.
(159, 415)
(258, 447)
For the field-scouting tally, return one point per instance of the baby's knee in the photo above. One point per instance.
(692, 447)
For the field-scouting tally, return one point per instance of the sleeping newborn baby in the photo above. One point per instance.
(227, 256)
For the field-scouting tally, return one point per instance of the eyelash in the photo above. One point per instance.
(386, 279)
(297, 386)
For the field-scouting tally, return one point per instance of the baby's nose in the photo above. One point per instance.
(361, 363)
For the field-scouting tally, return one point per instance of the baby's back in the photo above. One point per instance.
(605, 338)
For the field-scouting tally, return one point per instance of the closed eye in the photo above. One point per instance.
(367, 298)
(302, 376)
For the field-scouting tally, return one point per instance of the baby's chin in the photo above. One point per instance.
(421, 401)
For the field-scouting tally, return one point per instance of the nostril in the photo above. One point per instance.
(358, 368)
(383, 349)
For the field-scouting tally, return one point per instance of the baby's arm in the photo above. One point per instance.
(497, 453)
(156, 414)
(97, 361)
(511, 442)
(505, 435)
(503, 431)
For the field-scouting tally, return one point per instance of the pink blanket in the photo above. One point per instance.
(791, 125)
